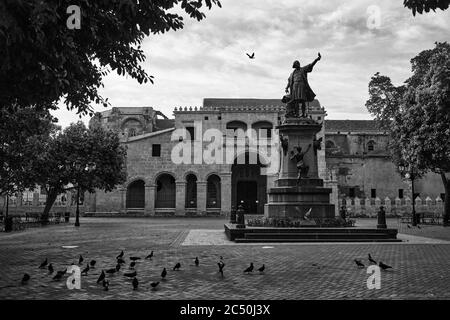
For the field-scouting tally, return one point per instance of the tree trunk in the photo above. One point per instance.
(51, 198)
(447, 199)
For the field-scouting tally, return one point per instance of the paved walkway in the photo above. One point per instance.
(293, 271)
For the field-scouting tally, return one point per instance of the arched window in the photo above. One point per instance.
(213, 192)
(371, 145)
(238, 127)
(136, 194)
(191, 191)
(329, 144)
(263, 129)
(165, 191)
(131, 132)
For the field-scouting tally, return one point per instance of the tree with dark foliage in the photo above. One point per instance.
(422, 6)
(417, 115)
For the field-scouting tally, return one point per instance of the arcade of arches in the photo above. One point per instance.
(243, 185)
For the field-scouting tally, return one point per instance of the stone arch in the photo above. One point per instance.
(263, 125)
(135, 197)
(329, 144)
(165, 190)
(191, 190)
(213, 191)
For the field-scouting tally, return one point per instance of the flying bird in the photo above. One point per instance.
(150, 255)
(196, 261)
(371, 260)
(130, 274)
(154, 285)
(359, 263)
(92, 263)
(43, 264)
(384, 266)
(163, 273)
(135, 283)
(120, 255)
(135, 258)
(252, 56)
(101, 278)
(85, 270)
(25, 278)
(177, 266)
(50, 268)
(221, 266)
(249, 269)
(80, 259)
(262, 268)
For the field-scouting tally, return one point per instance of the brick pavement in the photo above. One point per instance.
(295, 271)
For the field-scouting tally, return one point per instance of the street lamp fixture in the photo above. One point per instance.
(409, 175)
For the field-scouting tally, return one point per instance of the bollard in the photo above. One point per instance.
(233, 215)
(381, 219)
(240, 217)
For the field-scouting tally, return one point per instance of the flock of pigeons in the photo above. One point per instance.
(131, 274)
(371, 260)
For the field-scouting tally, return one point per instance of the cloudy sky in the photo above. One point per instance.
(207, 59)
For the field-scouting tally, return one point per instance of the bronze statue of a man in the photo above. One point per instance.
(301, 166)
(298, 86)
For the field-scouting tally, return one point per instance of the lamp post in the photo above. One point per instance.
(409, 174)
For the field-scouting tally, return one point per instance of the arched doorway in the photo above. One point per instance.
(213, 192)
(165, 191)
(191, 191)
(248, 186)
(136, 195)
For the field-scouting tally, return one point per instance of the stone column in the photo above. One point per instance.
(149, 200)
(225, 193)
(201, 197)
(180, 198)
(123, 199)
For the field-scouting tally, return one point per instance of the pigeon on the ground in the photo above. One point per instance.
(80, 259)
(130, 274)
(92, 263)
(132, 264)
(384, 266)
(120, 261)
(135, 283)
(113, 270)
(419, 227)
(50, 268)
(101, 277)
(177, 266)
(196, 261)
(221, 266)
(249, 269)
(135, 258)
(409, 227)
(150, 255)
(25, 278)
(163, 273)
(120, 255)
(262, 268)
(252, 56)
(371, 259)
(59, 275)
(154, 285)
(43, 264)
(359, 263)
(85, 270)
(105, 285)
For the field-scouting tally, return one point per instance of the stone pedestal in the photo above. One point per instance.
(290, 198)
